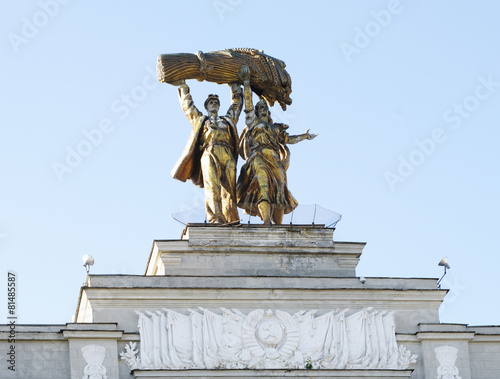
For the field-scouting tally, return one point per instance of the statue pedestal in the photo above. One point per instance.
(258, 251)
(255, 301)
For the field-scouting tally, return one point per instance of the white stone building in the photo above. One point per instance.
(254, 301)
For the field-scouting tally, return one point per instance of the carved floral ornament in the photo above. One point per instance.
(267, 339)
(447, 356)
(94, 356)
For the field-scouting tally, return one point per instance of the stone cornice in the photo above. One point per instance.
(97, 334)
(352, 283)
(456, 336)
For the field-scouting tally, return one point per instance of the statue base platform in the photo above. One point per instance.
(255, 250)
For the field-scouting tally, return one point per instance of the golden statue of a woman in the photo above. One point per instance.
(262, 188)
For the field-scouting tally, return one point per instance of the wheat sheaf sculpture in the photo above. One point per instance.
(269, 79)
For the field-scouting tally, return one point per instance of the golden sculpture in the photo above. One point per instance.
(209, 158)
(269, 78)
(262, 185)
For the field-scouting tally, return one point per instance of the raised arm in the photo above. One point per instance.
(248, 96)
(244, 75)
(234, 110)
(301, 137)
(187, 104)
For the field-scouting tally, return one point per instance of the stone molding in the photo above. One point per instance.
(339, 374)
(156, 297)
(482, 338)
(65, 332)
(250, 235)
(442, 336)
(244, 281)
(95, 334)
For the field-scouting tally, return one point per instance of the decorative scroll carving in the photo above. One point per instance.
(267, 339)
(447, 356)
(94, 356)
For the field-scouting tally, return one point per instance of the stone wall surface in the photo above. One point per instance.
(37, 360)
(485, 359)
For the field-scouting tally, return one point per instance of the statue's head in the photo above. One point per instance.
(262, 110)
(212, 103)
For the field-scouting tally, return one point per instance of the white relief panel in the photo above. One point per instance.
(267, 339)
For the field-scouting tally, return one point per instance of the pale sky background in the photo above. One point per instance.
(425, 69)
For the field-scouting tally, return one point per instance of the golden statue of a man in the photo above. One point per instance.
(210, 156)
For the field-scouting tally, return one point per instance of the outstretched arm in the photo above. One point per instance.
(187, 104)
(301, 137)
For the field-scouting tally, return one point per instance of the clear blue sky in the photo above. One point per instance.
(404, 95)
